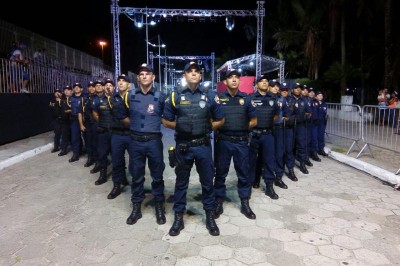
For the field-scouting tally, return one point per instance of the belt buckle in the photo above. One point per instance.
(146, 138)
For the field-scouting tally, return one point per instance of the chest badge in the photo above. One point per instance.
(271, 103)
(150, 108)
(241, 101)
(296, 104)
(202, 104)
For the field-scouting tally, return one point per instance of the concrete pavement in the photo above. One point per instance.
(51, 213)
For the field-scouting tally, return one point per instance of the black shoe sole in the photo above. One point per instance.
(130, 222)
(172, 233)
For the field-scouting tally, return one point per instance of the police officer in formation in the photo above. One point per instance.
(102, 114)
(320, 114)
(120, 139)
(305, 91)
(193, 112)
(288, 139)
(77, 99)
(232, 139)
(142, 111)
(55, 107)
(302, 112)
(65, 121)
(262, 139)
(90, 125)
(279, 136)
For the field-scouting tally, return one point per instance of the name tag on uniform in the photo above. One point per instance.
(185, 102)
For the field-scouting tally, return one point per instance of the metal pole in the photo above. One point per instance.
(147, 40)
(159, 62)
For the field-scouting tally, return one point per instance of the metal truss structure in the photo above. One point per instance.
(259, 13)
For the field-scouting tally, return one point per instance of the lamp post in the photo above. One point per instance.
(160, 45)
(102, 44)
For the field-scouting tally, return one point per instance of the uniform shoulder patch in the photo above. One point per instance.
(216, 99)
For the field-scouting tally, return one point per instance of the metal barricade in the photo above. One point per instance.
(344, 121)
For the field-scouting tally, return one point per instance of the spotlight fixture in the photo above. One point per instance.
(138, 20)
(230, 23)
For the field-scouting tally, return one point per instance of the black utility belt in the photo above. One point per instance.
(145, 138)
(232, 138)
(264, 131)
(120, 131)
(195, 142)
(278, 126)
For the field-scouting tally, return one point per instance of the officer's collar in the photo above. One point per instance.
(198, 89)
(151, 91)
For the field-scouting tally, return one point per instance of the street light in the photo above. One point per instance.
(102, 44)
(160, 45)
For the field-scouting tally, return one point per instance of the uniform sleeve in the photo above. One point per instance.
(251, 109)
(161, 102)
(169, 109)
(216, 110)
(95, 104)
(285, 108)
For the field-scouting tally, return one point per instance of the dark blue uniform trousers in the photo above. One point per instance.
(321, 134)
(265, 142)
(301, 142)
(65, 135)
(90, 137)
(279, 151)
(224, 151)
(76, 139)
(289, 141)
(103, 147)
(119, 144)
(202, 157)
(138, 153)
(314, 137)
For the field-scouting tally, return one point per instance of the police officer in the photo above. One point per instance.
(262, 140)
(302, 111)
(315, 108)
(279, 137)
(103, 115)
(232, 138)
(120, 137)
(305, 91)
(193, 112)
(55, 106)
(289, 124)
(65, 121)
(322, 117)
(89, 133)
(143, 111)
(77, 126)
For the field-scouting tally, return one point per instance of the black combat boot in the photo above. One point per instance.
(178, 225)
(62, 153)
(89, 162)
(220, 208)
(95, 169)
(322, 153)
(256, 183)
(211, 225)
(136, 214)
(160, 212)
(270, 192)
(102, 178)
(315, 157)
(74, 158)
(278, 182)
(246, 210)
(55, 150)
(292, 176)
(115, 191)
(307, 162)
(303, 168)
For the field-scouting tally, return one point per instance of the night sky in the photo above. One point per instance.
(81, 24)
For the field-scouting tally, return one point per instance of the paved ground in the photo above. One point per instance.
(51, 213)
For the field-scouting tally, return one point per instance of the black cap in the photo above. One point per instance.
(319, 92)
(77, 84)
(232, 72)
(297, 85)
(145, 67)
(284, 87)
(124, 77)
(305, 87)
(90, 84)
(57, 90)
(190, 65)
(98, 82)
(263, 76)
(274, 82)
(67, 87)
(108, 81)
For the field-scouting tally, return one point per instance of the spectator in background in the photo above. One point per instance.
(383, 102)
(393, 113)
(25, 75)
